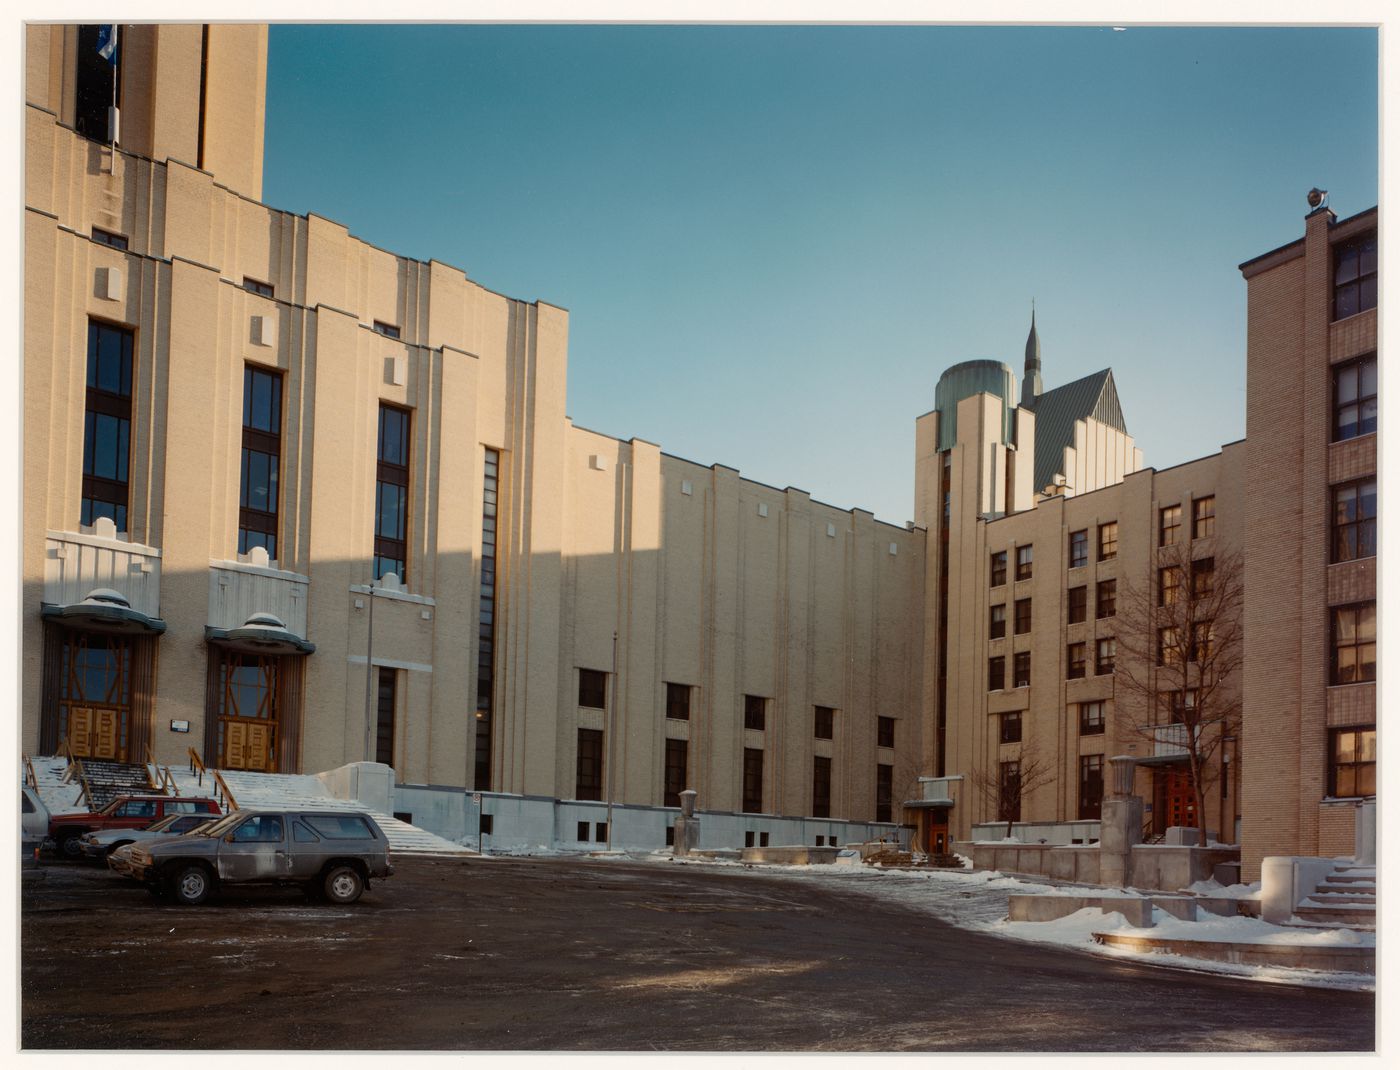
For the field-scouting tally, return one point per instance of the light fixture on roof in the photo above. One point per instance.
(1317, 197)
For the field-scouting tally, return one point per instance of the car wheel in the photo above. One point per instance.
(343, 884)
(191, 885)
(71, 846)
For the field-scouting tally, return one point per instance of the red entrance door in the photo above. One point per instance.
(1180, 799)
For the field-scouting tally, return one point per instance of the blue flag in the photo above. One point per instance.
(107, 44)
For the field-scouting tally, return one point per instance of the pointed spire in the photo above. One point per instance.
(1030, 382)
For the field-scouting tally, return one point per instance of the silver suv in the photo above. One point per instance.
(334, 854)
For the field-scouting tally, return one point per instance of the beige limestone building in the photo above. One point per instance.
(293, 501)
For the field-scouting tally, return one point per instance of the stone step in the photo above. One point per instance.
(1329, 897)
(1348, 887)
(1349, 915)
(1353, 873)
(1317, 926)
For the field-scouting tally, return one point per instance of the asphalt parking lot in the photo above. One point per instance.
(557, 953)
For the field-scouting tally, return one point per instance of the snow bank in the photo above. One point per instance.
(1215, 890)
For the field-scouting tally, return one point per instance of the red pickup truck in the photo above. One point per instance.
(123, 812)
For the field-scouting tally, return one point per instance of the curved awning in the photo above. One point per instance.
(262, 633)
(929, 804)
(103, 610)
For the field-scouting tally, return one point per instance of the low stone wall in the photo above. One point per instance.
(791, 856)
(1170, 869)
(1154, 867)
(1137, 910)
(1345, 959)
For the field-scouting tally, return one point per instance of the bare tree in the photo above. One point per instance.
(1003, 787)
(1180, 640)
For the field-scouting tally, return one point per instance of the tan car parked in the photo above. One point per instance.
(334, 854)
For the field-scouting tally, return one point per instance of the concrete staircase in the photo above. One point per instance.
(1345, 900)
(106, 780)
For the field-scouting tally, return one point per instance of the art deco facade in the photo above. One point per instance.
(294, 501)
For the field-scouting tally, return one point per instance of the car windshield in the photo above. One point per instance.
(163, 824)
(218, 828)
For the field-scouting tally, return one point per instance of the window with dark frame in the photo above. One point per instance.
(1105, 653)
(884, 792)
(486, 625)
(593, 689)
(1168, 586)
(753, 780)
(1108, 541)
(678, 702)
(1091, 718)
(588, 781)
(1354, 520)
(582, 832)
(996, 625)
(384, 721)
(1106, 604)
(823, 722)
(107, 424)
(755, 709)
(1009, 785)
(884, 731)
(998, 568)
(1077, 605)
(677, 752)
(1351, 770)
(388, 330)
(1202, 577)
(254, 286)
(261, 460)
(996, 674)
(391, 494)
(1354, 403)
(1078, 548)
(1353, 644)
(1023, 616)
(1203, 517)
(1011, 727)
(1202, 641)
(1168, 646)
(821, 787)
(1075, 661)
(1021, 669)
(106, 237)
(1354, 276)
(1168, 525)
(1090, 787)
(1024, 561)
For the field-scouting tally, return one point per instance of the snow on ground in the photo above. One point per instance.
(1221, 891)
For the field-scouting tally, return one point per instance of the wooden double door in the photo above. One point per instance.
(253, 710)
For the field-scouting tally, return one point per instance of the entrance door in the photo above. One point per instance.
(1180, 800)
(248, 712)
(95, 700)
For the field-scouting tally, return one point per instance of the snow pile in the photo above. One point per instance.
(1213, 890)
(1242, 930)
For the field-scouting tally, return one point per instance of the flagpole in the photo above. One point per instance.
(116, 73)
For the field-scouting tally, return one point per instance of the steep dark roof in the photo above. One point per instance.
(1093, 397)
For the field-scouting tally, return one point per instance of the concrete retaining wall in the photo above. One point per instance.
(1154, 867)
(1346, 959)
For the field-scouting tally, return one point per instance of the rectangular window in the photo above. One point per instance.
(996, 673)
(753, 781)
(1107, 601)
(1354, 644)
(678, 702)
(1091, 718)
(1351, 772)
(1009, 793)
(388, 330)
(755, 708)
(1090, 787)
(1354, 276)
(1011, 727)
(593, 689)
(676, 755)
(1075, 659)
(106, 237)
(1202, 577)
(1203, 517)
(998, 568)
(262, 458)
(253, 286)
(1181, 706)
(582, 832)
(107, 425)
(391, 494)
(1078, 548)
(1168, 646)
(1021, 668)
(1168, 586)
(884, 793)
(884, 731)
(588, 782)
(821, 787)
(384, 728)
(1202, 641)
(1108, 541)
(823, 718)
(996, 627)
(1354, 398)
(1168, 525)
(1023, 616)
(1024, 561)
(1354, 520)
(486, 625)
(1105, 651)
(1078, 604)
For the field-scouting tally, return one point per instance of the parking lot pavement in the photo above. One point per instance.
(565, 953)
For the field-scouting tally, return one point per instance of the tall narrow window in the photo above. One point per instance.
(593, 689)
(1168, 586)
(755, 712)
(996, 624)
(1011, 727)
(1354, 644)
(1351, 772)
(884, 731)
(391, 495)
(996, 673)
(678, 702)
(1105, 653)
(1108, 541)
(1354, 398)
(107, 424)
(821, 787)
(884, 793)
(588, 782)
(1169, 525)
(753, 780)
(1075, 660)
(1021, 669)
(1202, 577)
(998, 568)
(1077, 605)
(1009, 793)
(1107, 601)
(486, 627)
(1078, 549)
(1024, 561)
(676, 754)
(1090, 787)
(1090, 718)
(1354, 277)
(824, 718)
(1203, 517)
(1354, 521)
(384, 728)
(1023, 616)
(262, 457)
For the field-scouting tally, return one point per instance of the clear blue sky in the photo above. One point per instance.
(772, 240)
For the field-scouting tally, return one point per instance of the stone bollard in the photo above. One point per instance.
(687, 836)
(1120, 825)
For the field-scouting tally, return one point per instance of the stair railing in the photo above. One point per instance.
(222, 793)
(197, 767)
(162, 779)
(30, 777)
(75, 768)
